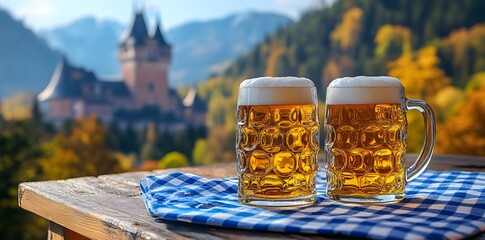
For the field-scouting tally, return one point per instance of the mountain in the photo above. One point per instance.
(26, 61)
(205, 48)
(89, 42)
(199, 48)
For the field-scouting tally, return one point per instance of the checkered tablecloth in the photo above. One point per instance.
(439, 205)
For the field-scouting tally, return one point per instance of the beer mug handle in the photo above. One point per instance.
(424, 157)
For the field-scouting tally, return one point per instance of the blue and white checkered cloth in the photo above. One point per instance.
(439, 205)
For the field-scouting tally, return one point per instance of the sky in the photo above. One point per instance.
(48, 14)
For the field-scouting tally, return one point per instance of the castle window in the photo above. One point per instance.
(151, 87)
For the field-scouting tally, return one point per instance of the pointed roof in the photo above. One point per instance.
(138, 31)
(159, 36)
(66, 82)
(192, 100)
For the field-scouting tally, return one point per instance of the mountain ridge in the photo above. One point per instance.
(199, 47)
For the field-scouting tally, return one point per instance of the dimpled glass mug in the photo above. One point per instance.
(366, 140)
(277, 141)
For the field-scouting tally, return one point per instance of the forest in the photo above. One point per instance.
(436, 48)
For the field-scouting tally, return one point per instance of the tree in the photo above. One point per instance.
(221, 145)
(80, 152)
(199, 155)
(464, 133)
(464, 50)
(422, 78)
(150, 150)
(347, 33)
(392, 42)
(173, 160)
(420, 73)
(19, 149)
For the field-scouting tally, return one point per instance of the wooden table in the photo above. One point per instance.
(110, 206)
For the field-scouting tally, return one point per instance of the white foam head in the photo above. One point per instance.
(365, 90)
(277, 91)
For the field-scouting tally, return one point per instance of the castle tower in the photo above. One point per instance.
(144, 62)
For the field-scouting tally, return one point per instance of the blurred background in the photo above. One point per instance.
(97, 87)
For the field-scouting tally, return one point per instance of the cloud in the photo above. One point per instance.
(36, 8)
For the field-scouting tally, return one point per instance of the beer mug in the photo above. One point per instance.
(277, 141)
(366, 139)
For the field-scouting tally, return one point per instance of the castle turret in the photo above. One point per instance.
(144, 62)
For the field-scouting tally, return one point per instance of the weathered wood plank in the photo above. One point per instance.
(57, 232)
(110, 207)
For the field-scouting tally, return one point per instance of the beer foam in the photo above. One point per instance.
(365, 90)
(277, 91)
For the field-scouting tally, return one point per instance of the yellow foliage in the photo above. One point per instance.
(390, 36)
(460, 40)
(348, 31)
(173, 160)
(81, 152)
(17, 107)
(465, 133)
(200, 152)
(477, 81)
(420, 74)
(422, 79)
(446, 101)
(276, 51)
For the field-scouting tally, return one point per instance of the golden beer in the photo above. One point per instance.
(277, 145)
(366, 140)
(366, 144)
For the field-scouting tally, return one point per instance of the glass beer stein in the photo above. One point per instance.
(277, 141)
(366, 139)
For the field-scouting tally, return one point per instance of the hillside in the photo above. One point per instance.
(90, 43)
(436, 48)
(199, 48)
(341, 40)
(26, 61)
(205, 48)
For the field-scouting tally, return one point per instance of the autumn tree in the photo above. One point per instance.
(422, 78)
(465, 50)
(80, 152)
(347, 33)
(392, 41)
(464, 133)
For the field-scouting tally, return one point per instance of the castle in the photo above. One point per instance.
(141, 97)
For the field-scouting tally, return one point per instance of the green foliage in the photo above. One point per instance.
(392, 42)
(199, 155)
(173, 160)
(19, 148)
(150, 151)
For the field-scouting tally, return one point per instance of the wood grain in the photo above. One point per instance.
(110, 207)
